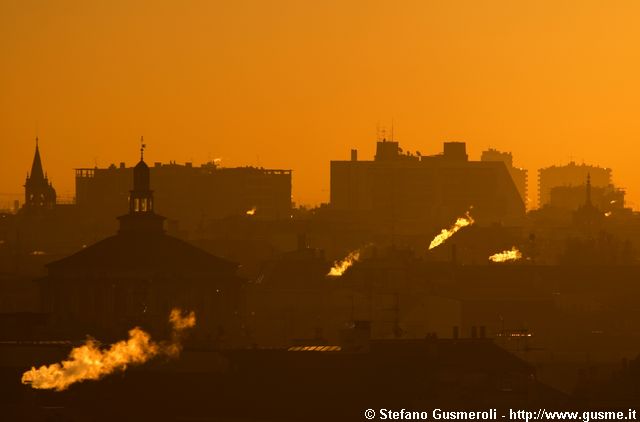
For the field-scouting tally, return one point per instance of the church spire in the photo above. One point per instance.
(36, 166)
(38, 191)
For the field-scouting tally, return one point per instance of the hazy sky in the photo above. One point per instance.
(294, 84)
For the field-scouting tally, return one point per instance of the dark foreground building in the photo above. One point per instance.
(136, 276)
(336, 383)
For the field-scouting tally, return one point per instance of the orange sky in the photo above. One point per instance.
(294, 84)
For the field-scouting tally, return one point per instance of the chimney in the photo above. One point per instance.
(354, 155)
(122, 164)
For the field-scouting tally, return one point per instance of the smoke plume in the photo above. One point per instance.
(445, 234)
(90, 362)
(339, 267)
(509, 255)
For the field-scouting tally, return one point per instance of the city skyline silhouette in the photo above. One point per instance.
(267, 211)
(294, 86)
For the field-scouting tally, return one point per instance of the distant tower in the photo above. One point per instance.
(588, 218)
(39, 194)
(141, 217)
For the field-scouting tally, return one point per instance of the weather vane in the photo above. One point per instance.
(142, 147)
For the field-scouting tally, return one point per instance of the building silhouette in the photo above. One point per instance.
(410, 190)
(519, 175)
(607, 198)
(137, 276)
(571, 174)
(588, 218)
(191, 195)
(39, 193)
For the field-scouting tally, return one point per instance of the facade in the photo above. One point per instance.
(412, 191)
(137, 276)
(190, 195)
(571, 174)
(519, 175)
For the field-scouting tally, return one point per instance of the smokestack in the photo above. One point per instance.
(456, 332)
(474, 332)
(354, 155)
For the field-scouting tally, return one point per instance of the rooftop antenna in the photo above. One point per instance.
(391, 129)
(142, 147)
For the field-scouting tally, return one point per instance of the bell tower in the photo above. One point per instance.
(141, 216)
(141, 196)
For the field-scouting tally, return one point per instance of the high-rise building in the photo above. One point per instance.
(190, 195)
(571, 174)
(410, 190)
(519, 175)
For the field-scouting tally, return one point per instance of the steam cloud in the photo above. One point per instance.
(509, 255)
(445, 234)
(339, 267)
(89, 362)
